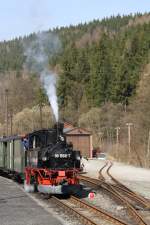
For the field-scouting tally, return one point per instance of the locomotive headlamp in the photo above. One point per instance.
(44, 158)
(78, 158)
(61, 138)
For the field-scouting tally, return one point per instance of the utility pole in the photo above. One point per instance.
(125, 105)
(117, 134)
(41, 116)
(11, 122)
(129, 136)
(6, 105)
(117, 139)
(148, 150)
(100, 141)
(148, 144)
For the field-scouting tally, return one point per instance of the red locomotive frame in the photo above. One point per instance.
(44, 176)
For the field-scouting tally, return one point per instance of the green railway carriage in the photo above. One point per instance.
(12, 155)
(2, 156)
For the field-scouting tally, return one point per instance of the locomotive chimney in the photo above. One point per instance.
(59, 127)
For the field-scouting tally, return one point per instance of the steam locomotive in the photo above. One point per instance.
(43, 159)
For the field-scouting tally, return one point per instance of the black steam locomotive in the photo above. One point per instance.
(52, 164)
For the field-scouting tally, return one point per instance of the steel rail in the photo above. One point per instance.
(93, 181)
(130, 208)
(101, 177)
(116, 194)
(74, 211)
(118, 185)
(110, 188)
(134, 198)
(79, 204)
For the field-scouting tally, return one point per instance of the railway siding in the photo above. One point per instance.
(120, 193)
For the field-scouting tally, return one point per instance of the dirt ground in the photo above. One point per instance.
(135, 178)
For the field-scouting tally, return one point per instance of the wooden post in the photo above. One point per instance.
(148, 149)
(11, 122)
(117, 140)
(41, 119)
(91, 146)
(6, 105)
(129, 138)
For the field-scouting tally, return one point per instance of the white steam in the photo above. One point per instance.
(49, 81)
(38, 52)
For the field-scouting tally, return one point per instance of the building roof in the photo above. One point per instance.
(71, 130)
(76, 131)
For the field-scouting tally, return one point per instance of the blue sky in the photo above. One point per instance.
(21, 17)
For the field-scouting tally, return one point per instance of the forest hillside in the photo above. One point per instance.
(103, 77)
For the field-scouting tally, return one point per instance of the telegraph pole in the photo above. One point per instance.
(148, 144)
(41, 116)
(129, 136)
(6, 105)
(11, 122)
(117, 139)
(148, 150)
(117, 134)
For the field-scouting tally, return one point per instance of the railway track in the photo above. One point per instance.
(120, 192)
(131, 195)
(86, 213)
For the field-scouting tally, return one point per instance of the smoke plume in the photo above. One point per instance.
(49, 81)
(38, 52)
